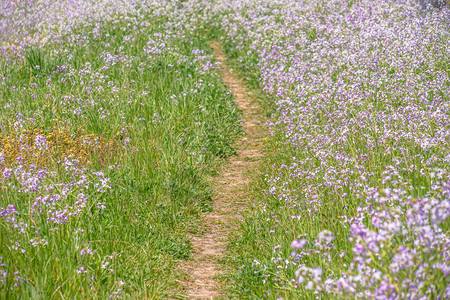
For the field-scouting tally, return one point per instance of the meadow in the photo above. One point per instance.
(114, 121)
(354, 195)
(109, 129)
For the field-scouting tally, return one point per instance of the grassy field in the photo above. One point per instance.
(352, 200)
(114, 119)
(107, 136)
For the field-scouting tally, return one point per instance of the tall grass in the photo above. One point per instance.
(353, 198)
(107, 136)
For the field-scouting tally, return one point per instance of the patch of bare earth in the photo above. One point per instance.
(232, 192)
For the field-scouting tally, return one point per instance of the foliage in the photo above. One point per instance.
(113, 115)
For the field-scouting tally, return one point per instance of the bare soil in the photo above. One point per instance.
(232, 192)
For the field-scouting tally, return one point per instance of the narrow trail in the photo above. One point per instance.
(232, 191)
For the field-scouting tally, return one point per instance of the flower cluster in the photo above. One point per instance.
(362, 128)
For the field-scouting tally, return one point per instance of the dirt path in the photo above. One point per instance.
(232, 192)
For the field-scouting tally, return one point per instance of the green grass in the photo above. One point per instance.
(258, 249)
(269, 226)
(163, 148)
